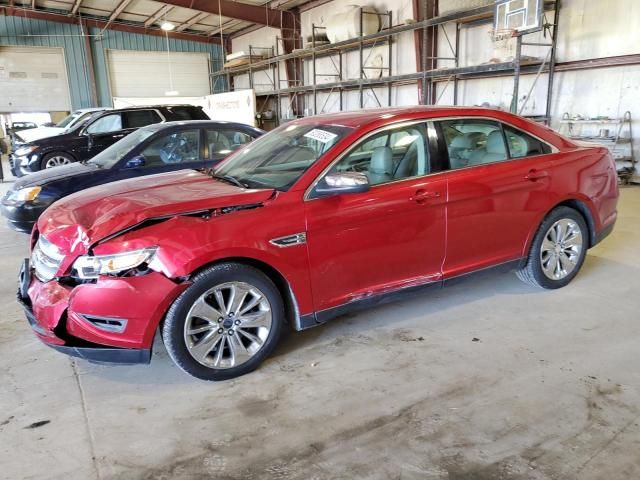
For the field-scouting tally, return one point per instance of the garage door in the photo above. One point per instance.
(33, 79)
(146, 74)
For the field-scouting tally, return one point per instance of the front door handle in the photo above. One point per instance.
(534, 175)
(422, 196)
(119, 136)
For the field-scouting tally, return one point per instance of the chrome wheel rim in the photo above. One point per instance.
(56, 161)
(227, 325)
(561, 249)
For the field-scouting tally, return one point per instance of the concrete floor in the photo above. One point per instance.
(488, 379)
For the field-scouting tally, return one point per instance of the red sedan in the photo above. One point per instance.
(321, 216)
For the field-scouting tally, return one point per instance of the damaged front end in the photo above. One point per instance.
(103, 299)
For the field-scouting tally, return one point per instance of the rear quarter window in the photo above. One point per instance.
(140, 118)
(186, 113)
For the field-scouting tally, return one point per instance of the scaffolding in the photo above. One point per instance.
(308, 89)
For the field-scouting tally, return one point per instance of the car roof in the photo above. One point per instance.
(144, 107)
(360, 118)
(199, 123)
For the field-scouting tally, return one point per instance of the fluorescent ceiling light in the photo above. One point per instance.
(167, 26)
(172, 93)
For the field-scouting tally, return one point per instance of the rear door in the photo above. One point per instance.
(221, 142)
(499, 185)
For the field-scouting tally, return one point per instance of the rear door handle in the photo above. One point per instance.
(422, 196)
(534, 175)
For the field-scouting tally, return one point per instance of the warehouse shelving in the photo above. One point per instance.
(621, 147)
(309, 89)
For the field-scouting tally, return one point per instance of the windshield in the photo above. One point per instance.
(279, 158)
(112, 155)
(68, 119)
(75, 119)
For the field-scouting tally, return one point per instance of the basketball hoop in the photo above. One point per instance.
(503, 46)
(502, 34)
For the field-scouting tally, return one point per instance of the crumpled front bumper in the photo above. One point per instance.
(61, 315)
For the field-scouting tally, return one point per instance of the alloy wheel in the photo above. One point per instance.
(56, 161)
(561, 248)
(227, 325)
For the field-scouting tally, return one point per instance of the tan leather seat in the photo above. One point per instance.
(381, 165)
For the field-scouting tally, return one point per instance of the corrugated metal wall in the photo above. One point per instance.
(19, 31)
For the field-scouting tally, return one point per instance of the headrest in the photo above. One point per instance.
(495, 143)
(461, 141)
(381, 160)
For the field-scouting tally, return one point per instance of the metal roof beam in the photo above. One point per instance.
(153, 18)
(102, 25)
(76, 6)
(240, 11)
(192, 21)
(119, 9)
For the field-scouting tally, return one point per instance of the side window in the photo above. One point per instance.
(524, 145)
(177, 147)
(222, 142)
(473, 142)
(187, 113)
(389, 155)
(140, 118)
(106, 124)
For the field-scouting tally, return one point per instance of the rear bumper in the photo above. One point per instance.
(604, 233)
(72, 319)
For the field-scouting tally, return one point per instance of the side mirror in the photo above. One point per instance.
(341, 183)
(135, 162)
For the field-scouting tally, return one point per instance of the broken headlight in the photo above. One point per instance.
(92, 266)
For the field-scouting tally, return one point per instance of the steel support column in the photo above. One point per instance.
(426, 46)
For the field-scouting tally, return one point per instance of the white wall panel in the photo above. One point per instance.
(33, 79)
(146, 74)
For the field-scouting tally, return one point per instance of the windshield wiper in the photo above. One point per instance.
(229, 179)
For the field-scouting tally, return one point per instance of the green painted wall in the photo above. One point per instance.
(19, 31)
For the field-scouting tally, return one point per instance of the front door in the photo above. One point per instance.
(385, 239)
(166, 152)
(499, 185)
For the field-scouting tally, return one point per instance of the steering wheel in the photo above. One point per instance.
(169, 153)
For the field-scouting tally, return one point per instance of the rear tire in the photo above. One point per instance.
(558, 250)
(225, 324)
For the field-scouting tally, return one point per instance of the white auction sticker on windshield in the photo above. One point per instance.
(320, 135)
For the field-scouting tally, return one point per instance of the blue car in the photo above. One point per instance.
(157, 148)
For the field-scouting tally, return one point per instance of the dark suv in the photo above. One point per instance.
(97, 133)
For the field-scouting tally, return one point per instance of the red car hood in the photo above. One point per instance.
(79, 220)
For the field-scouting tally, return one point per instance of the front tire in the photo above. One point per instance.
(55, 160)
(558, 250)
(225, 324)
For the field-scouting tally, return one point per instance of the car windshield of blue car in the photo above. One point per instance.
(279, 158)
(112, 155)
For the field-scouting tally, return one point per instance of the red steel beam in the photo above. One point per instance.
(269, 17)
(424, 10)
(100, 24)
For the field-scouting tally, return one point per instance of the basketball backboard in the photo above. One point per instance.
(523, 16)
